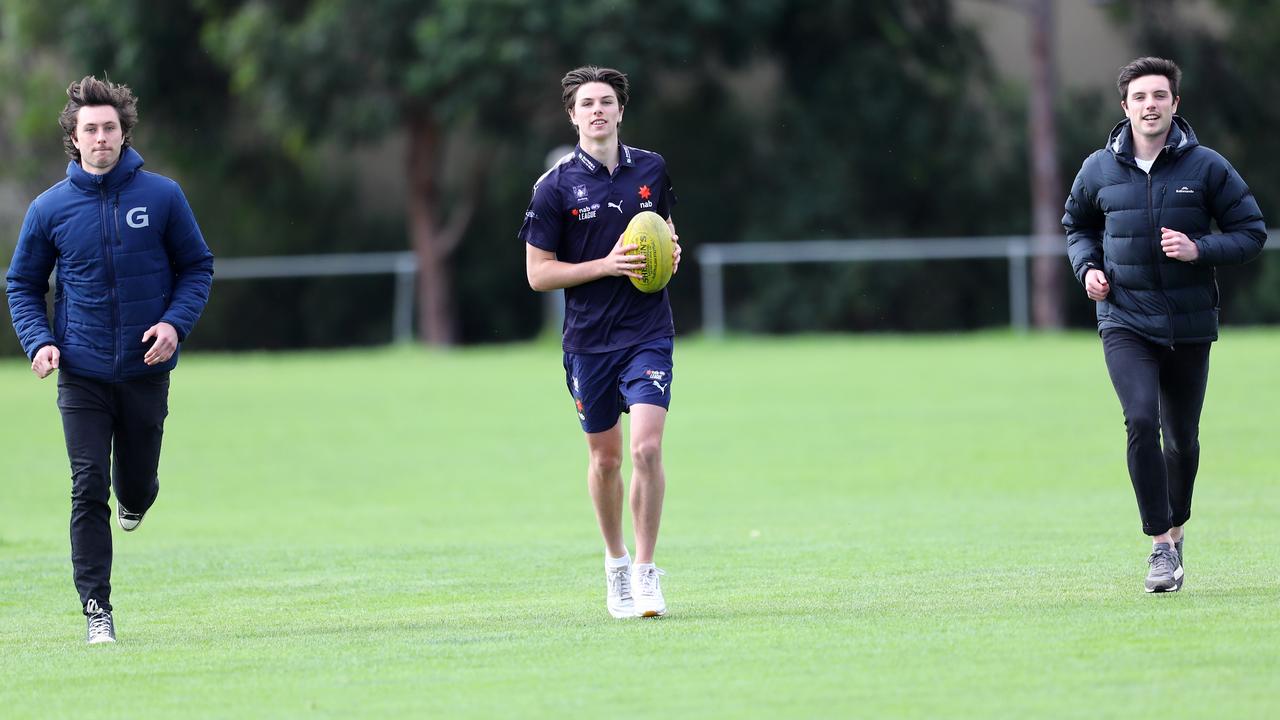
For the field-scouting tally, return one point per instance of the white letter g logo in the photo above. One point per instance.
(137, 218)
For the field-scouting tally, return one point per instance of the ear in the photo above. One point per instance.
(1176, 100)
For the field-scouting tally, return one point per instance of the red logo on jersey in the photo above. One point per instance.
(644, 192)
(574, 212)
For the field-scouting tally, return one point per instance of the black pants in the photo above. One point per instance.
(1162, 391)
(113, 433)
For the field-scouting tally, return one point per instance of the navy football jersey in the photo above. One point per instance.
(578, 211)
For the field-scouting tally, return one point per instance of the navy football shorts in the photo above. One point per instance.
(605, 385)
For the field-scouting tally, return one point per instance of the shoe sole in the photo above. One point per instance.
(622, 614)
(102, 641)
(1178, 577)
(652, 613)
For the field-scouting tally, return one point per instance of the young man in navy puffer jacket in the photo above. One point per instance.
(1141, 240)
(133, 277)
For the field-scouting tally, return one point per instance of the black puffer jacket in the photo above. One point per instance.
(1113, 220)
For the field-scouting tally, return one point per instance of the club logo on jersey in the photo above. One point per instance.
(580, 193)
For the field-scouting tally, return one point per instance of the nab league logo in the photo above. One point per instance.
(137, 218)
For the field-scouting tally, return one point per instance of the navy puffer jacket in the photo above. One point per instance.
(129, 255)
(1113, 220)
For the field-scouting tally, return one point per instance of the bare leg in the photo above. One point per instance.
(604, 481)
(648, 480)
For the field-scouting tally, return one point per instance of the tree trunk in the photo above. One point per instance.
(435, 286)
(1047, 195)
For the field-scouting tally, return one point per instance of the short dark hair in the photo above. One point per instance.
(92, 91)
(1149, 66)
(578, 77)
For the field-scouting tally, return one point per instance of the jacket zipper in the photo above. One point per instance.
(108, 253)
(1156, 256)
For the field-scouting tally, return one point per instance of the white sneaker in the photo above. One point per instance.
(128, 521)
(649, 600)
(101, 628)
(618, 596)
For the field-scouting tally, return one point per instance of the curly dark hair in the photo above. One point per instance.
(1144, 66)
(578, 77)
(92, 91)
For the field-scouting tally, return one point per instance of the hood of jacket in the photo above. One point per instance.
(1181, 138)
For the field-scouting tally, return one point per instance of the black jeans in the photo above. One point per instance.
(1162, 391)
(113, 433)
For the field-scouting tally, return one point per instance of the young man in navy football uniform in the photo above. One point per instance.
(617, 340)
(1140, 236)
(133, 277)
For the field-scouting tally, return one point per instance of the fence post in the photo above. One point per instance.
(1019, 292)
(712, 268)
(402, 314)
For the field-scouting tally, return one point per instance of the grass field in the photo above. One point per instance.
(855, 527)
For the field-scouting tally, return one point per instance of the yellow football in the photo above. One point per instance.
(652, 237)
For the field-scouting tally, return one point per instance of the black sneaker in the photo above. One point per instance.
(101, 627)
(128, 521)
(1165, 574)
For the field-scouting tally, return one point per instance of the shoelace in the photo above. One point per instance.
(100, 624)
(620, 582)
(1163, 561)
(649, 581)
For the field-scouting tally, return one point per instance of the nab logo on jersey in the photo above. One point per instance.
(138, 218)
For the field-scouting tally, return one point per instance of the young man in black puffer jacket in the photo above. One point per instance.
(1140, 241)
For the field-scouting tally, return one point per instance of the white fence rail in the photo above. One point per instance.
(713, 258)
(1016, 249)
(403, 265)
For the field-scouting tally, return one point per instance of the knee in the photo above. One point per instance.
(89, 488)
(646, 454)
(606, 463)
(1184, 441)
(1143, 425)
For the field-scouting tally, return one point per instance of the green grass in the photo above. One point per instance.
(855, 526)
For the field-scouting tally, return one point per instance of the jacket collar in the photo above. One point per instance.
(625, 157)
(121, 174)
(1181, 138)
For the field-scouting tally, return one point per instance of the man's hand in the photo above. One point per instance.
(1096, 285)
(1178, 246)
(618, 262)
(47, 359)
(675, 250)
(165, 345)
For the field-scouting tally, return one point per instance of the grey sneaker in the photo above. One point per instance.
(1178, 546)
(1165, 574)
(618, 592)
(128, 521)
(101, 627)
